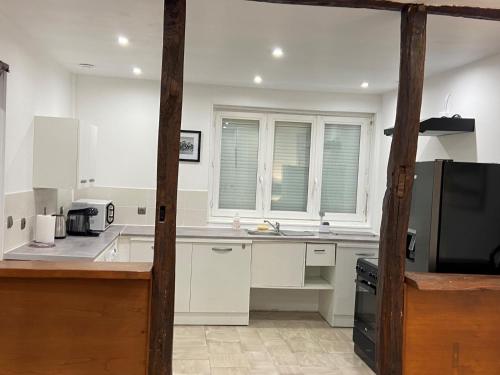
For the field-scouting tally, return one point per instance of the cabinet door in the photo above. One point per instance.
(83, 155)
(141, 249)
(92, 154)
(278, 265)
(220, 279)
(183, 253)
(55, 153)
(345, 277)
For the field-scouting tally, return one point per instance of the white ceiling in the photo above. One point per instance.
(230, 41)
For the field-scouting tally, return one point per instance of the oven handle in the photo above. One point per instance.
(372, 288)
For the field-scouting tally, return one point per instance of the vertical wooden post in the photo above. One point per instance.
(163, 283)
(397, 201)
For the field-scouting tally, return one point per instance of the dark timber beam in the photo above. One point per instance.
(3, 67)
(397, 201)
(163, 283)
(443, 10)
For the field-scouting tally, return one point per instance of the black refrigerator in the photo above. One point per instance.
(455, 218)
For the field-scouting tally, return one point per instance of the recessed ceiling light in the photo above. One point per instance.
(123, 41)
(365, 85)
(86, 66)
(137, 71)
(257, 80)
(278, 52)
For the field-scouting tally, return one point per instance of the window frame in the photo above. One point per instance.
(216, 165)
(363, 171)
(271, 121)
(267, 120)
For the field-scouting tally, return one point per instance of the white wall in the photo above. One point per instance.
(36, 86)
(474, 93)
(126, 112)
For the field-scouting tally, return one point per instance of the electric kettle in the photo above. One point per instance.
(60, 225)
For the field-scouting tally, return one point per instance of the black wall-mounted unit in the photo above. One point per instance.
(439, 126)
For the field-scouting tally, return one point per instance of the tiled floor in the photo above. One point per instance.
(273, 343)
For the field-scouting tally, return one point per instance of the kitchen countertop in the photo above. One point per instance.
(231, 234)
(71, 248)
(88, 248)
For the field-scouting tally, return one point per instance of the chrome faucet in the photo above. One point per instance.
(276, 226)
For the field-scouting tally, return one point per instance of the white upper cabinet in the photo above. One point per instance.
(64, 153)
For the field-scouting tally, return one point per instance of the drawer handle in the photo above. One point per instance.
(365, 255)
(222, 249)
(92, 180)
(320, 251)
(83, 181)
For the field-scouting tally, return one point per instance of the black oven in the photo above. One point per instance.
(365, 312)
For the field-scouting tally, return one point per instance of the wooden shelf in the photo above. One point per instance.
(317, 283)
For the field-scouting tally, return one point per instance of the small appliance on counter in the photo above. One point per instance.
(60, 225)
(104, 217)
(365, 310)
(78, 223)
(45, 229)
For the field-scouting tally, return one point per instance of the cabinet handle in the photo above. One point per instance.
(222, 249)
(83, 181)
(365, 255)
(320, 251)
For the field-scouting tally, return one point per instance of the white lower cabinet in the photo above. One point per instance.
(183, 254)
(278, 265)
(110, 254)
(220, 281)
(345, 280)
(142, 250)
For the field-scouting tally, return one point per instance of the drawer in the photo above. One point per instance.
(319, 254)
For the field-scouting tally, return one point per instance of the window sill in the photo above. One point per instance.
(337, 227)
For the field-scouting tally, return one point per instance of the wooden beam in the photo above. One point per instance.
(163, 282)
(444, 10)
(397, 201)
(3, 67)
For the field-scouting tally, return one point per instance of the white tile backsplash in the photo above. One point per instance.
(192, 206)
(27, 205)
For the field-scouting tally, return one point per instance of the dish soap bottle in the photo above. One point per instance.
(236, 222)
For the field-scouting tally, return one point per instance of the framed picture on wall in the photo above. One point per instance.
(190, 146)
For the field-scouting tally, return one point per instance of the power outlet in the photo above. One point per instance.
(141, 211)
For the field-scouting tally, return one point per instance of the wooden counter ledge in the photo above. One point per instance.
(74, 318)
(450, 324)
(75, 270)
(450, 282)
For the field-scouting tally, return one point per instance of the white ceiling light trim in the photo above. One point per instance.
(365, 85)
(123, 41)
(278, 53)
(137, 71)
(257, 80)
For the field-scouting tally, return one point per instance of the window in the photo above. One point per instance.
(239, 164)
(284, 166)
(291, 159)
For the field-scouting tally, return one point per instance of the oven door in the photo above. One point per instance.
(365, 314)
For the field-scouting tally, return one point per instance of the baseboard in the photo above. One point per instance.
(213, 319)
(343, 321)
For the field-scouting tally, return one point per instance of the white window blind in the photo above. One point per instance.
(340, 168)
(290, 186)
(239, 164)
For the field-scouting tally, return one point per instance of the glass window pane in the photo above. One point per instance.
(292, 149)
(339, 189)
(239, 164)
